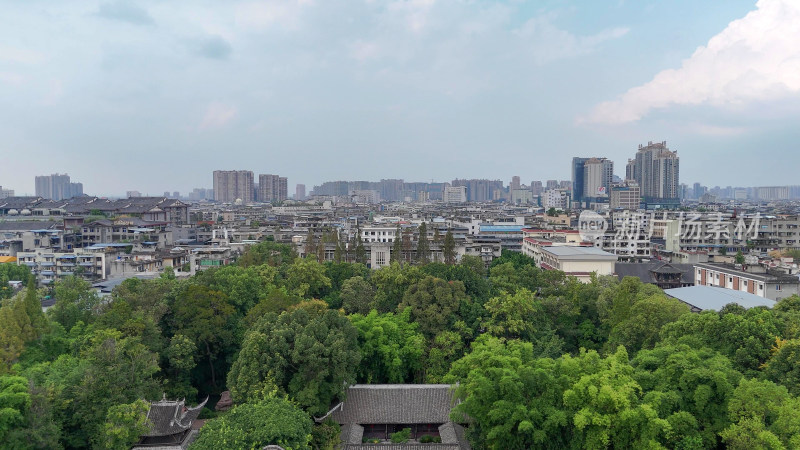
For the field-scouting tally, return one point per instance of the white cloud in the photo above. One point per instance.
(19, 55)
(714, 130)
(547, 42)
(217, 115)
(415, 12)
(362, 50)
(11, 78)
(269, 13)
(756, 58)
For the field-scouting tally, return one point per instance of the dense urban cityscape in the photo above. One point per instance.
(399, 225)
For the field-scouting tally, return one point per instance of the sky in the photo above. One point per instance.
(153, 96)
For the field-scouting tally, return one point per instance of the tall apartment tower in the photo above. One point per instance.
(577, 178)
(656, 169)
(598, 174)
(300, 192)
(232, 185)
(591, 178)
(515, 184)
(57, 187)
(272, 188)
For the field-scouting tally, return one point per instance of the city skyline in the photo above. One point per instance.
(115, 93)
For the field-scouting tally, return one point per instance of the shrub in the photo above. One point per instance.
(401, 437)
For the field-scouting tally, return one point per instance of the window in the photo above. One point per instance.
(777, 287)
(380, 258)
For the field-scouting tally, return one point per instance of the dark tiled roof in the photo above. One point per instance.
(19, 202)
(644, 271)
(352, 433)
(413, 446)
(396, 404)
(27, 225)
(171, 417)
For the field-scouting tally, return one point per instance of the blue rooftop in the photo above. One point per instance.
(501, 228)
(715, 298)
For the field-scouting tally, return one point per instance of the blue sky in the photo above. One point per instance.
(154, 96)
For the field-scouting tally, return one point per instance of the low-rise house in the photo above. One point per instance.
(375, 411)
(701, 298)
(170, 425)
(755, 279)
(664, 275)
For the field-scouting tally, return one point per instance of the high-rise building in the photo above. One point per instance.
(656, 169)
(390, 190)
(300, 192)
(625, 196)
(455, 194)
(480, 190)
(552, 184)
(536, 187)
(515, 184)
(232, 185)
(5, 193)
(57, 187)
(577, 178)
(591, 178)
(272, 188)
(598, 174)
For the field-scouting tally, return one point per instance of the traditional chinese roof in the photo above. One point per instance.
(395, 404)
(169, 417)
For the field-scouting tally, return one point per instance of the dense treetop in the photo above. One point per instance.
(540, 359)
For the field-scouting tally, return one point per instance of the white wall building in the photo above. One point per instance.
(455, 194)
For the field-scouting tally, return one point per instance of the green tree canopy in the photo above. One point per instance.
(75, 301)
(311, 357)
(255, 425)
(434, 303)
(391, 347)
(357, 295)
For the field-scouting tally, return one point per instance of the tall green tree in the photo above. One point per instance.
(449, 248)
(113, 370)
(423, 246)
(206, 317)
(513, 400)
(358, 296)
(125, 424)
(690, 388)
(608, 407)
(783, 366)
(391, 283)
(434, 303)
(12, 341)
(272, 421)
(33, 307)
(75, 301)
(14, 403)
(391, 347)
(763, 415)
(310, 356)
(307, 278)
(360, 250)
(397, 245)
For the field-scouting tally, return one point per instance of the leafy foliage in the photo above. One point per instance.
(254, 425)
(311, 357)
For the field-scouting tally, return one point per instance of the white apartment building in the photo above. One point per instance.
(455, 194)
(50, 266)
(378, 234)
(556, 198)
(579, 262)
